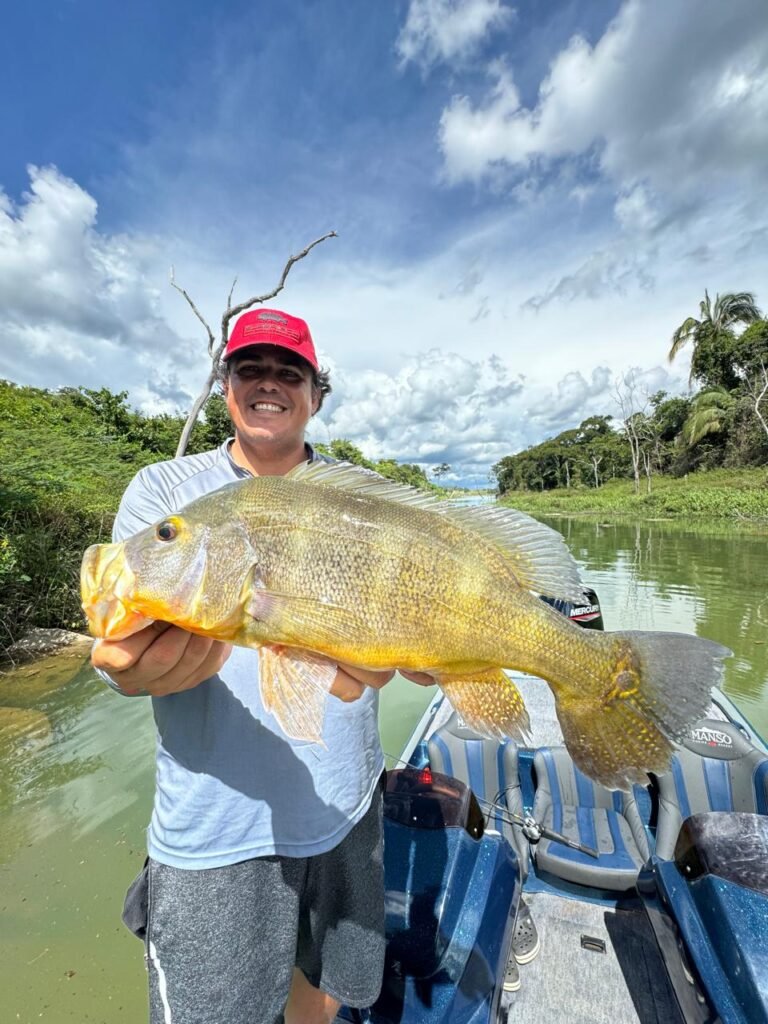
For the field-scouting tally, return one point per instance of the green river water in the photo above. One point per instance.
(76, 762)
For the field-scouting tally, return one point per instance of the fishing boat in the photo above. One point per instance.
(519, 890)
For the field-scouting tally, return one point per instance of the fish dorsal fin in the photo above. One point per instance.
(539, 555)
(345, 476)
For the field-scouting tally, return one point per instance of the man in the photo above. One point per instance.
(265, 879)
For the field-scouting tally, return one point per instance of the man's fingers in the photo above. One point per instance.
(366, 676)
(421, 678)
(161, 659)
(119, 655)
(201, 659)
(346, 688)
(214, 659)
(166, 652)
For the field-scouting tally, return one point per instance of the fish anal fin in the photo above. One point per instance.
(617, 745)
(294, 686)
(489, 702)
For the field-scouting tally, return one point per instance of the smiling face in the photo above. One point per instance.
(270, 397)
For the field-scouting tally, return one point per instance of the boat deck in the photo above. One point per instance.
(626, 984)
(599, 962)
(569, 980)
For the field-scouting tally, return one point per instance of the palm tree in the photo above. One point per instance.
(708, 415)
(712, 335)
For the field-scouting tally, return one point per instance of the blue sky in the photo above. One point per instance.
(529, 198)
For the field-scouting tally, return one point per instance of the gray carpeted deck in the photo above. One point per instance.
(625, 985)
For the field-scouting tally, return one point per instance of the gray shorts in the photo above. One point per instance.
(222, 943)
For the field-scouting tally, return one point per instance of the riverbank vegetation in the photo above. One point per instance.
(719, 494)
(67, 457)
(656, 439)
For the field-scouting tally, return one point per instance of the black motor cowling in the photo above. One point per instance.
(587, 613)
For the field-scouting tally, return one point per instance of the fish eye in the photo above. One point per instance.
(166, 531)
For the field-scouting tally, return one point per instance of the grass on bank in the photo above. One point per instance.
(738, 494)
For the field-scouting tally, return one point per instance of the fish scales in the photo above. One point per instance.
(419, 588)
(329, 565)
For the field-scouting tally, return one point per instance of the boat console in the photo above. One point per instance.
(451, 893)
(722, 907)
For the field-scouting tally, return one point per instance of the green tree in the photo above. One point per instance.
(403, 473)
(343, 450)
(713, 337)
(110, 409)
(708, 414)
(750, 350)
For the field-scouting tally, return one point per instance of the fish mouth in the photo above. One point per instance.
(106, 583)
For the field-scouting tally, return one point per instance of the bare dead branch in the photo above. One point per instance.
(214, 349)
(234, 311)
(625, 389)
(759, 396)
(195, 310)
(194, 412)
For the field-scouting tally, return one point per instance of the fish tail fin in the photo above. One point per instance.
(489, 702)
(659, 685)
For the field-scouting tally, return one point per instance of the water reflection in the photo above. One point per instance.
(45, 720)
(76, 762)
(710, 580)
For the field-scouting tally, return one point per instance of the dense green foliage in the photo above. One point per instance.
(716, 494)
(724, 425)
(400, 472)
(66, 459)
(67, 456)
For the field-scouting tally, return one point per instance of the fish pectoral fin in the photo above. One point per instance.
(489, 702)
(294, 686)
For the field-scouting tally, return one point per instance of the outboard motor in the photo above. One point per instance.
(586, 614)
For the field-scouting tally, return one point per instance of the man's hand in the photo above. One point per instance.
(160, 659)
(420, 678)
(350, 682)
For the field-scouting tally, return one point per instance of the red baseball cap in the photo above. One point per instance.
(272, 327)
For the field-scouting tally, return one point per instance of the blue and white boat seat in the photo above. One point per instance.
(716, 769)
(491, 772)
(606, 820)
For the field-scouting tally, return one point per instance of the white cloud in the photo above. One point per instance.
(669, 93)
(439, 406)
(611, 270)
(572, 397)
(448, 30)
(634, 209)
(432, 361)
(75, 305)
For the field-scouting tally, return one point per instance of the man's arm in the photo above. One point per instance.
(163, 659)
